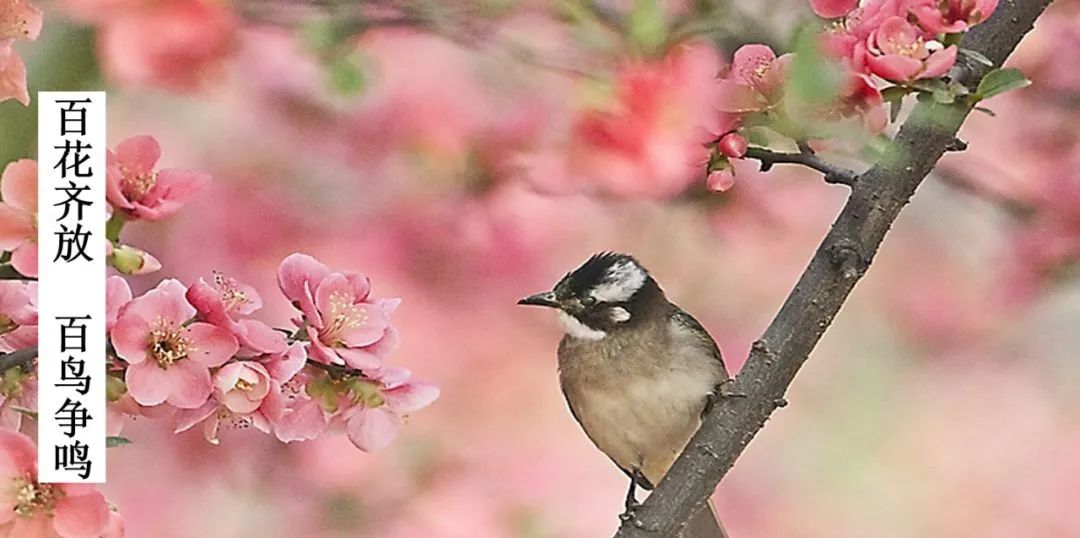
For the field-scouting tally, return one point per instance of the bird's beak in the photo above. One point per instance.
(541, 299)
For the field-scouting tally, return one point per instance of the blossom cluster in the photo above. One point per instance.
(193, 353)
(874, 45)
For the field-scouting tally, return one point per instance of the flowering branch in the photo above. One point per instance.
(841, 259)
(833, 174)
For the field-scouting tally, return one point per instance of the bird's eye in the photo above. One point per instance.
(588, 300)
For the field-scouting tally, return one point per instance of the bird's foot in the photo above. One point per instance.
(631, 512)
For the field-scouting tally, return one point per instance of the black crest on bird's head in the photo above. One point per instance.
(610, 291)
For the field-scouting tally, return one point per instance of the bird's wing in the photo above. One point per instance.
(700, 335)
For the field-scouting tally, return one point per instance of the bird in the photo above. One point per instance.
(637, 371)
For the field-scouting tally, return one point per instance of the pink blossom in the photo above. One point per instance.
(169, 359)
(374, 420)
(247, 393)
(950, 16)
(897, 51)
(831, 9)
(647, 139)
(176, 44)
(225, 303)
(18, 215)
(136, 189)
(36, 510)
(343, 323)
(755, 80)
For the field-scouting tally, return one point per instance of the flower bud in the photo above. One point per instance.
(132, 261)
(733, 145)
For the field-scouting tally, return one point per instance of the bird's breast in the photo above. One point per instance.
(639, 407)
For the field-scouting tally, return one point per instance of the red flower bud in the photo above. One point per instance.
(733, 145)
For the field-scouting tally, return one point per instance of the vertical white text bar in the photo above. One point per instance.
(71, 287)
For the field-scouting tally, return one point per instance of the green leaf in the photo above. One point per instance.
(894, 93)
(1000, 81)
(345, 74)
(647, 25)
(113, 441)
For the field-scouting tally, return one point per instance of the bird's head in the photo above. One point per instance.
(609, 292)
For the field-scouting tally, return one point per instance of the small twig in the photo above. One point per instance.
(833, 174)
(23, 358)
(7, 272)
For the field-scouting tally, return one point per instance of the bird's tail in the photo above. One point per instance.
(704, 524)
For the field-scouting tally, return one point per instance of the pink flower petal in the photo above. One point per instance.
(81, 516)
(358, 358)
(831, 9)
(117, 295)
(735, 97)
(939, 62)
(189, 384)
(130, 337)
(186, 418)
(260, 337)
(12, 75)
(16, 227)
(25, 258)
(18, 185)
(411, 397)
(372, 429)
(282, 367)
(302, 423)
(139, 154)
(894, 67)
(213, 345)
(298, 276)
(147, 383)
(18, 455)
(31, 527)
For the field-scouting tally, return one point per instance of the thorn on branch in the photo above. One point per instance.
(845, 255)
(836, 175)
(956, 145)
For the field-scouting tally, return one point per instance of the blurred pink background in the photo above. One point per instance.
(942, 402)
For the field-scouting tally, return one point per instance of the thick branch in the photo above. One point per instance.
(832, 173)
(23, 358)
(841, 259)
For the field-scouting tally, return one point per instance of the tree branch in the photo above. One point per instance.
(833, 174)
(22, 357)
(841, 259)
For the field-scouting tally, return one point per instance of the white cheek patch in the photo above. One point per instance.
(619, 314)
(578, 329)
(620, 283)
